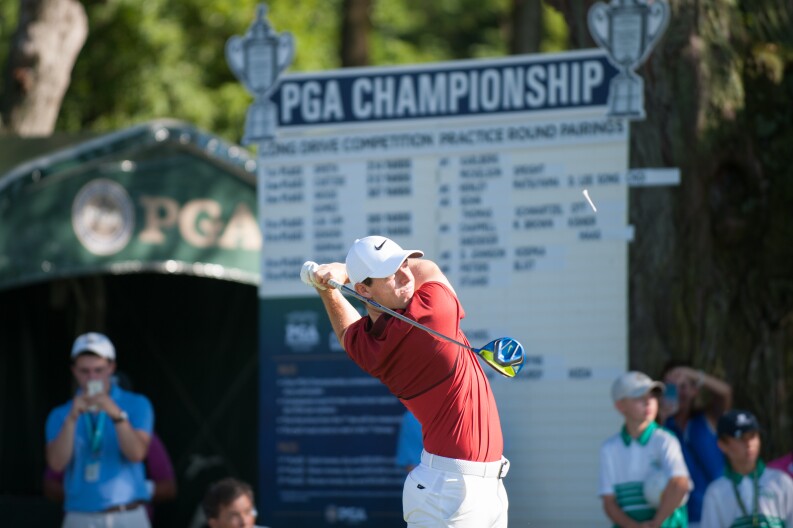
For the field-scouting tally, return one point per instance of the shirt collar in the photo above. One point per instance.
(643, 438)
(376, 328)
(736, 477)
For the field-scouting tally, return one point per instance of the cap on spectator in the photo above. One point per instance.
(735, 423)
(633, 384)
(96, 343)
(376, 257)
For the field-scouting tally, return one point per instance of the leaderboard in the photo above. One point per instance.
(485, 216)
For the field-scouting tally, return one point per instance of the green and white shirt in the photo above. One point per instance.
(625, 463)
(761, 499)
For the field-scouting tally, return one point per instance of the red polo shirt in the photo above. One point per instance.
(441, 383)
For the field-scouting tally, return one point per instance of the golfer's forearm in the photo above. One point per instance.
(340, 312)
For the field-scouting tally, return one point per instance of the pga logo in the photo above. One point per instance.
(301, 334)
(345, 514)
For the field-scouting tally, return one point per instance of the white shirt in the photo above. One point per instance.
(720, 508)
(625, 464)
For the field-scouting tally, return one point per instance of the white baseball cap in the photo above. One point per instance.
(96, 343)
(376, 257)
(634, 385)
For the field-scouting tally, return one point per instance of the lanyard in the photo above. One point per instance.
(95, 433)
(756, 501)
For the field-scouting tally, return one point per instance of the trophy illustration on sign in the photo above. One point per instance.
(257, 59)
(627, 30)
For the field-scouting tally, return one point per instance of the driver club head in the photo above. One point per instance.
(504, 354)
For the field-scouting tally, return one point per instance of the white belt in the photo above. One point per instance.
(497, 469)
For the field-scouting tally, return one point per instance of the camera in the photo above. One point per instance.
(95, 387)
(670, 399)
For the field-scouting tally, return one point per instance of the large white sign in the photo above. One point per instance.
(481, 164)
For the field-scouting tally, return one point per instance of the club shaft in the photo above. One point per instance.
(349, 291)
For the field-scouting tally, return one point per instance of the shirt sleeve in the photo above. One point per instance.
(434, 305)
(786, 508)
(710, 509)
(674, 463)
(704, 445)
(158, 463)
(607, 475)
(141, 415)
(54, 423)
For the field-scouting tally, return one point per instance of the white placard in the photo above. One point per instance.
(496, 200)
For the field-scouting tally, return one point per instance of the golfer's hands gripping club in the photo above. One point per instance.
(308, 274)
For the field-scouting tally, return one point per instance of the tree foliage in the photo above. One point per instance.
(153, 59)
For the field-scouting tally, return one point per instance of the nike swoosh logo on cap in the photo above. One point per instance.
(378, 248)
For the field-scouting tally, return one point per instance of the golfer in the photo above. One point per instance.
(459, 480)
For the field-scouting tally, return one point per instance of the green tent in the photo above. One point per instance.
(149, 235)
(158, 197)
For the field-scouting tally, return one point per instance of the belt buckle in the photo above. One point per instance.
(504, 463)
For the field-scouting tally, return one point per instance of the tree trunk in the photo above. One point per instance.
(526, 27)
(355, 27)
(49, 37)
(706, 283)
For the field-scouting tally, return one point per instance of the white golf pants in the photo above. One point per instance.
(444, 492)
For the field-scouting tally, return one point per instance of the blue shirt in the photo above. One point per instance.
(119, 481)
(409, 443)
(703, 457)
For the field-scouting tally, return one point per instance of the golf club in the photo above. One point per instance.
(504, 354)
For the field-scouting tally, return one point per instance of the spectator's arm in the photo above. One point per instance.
(616, 514)
(134, 443)
(59, 450)
(164, 490)
(671, 499)
(52, 489)
(720, 390)
(159, 471)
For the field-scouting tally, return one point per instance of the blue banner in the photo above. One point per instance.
(526, 83)
(327, 430)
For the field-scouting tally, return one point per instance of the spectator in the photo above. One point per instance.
(783, 463)
(694, 425)
(748, 494)
(100, 439)
(160, 477)
(229, 503)
(409, 442)
(459, 480)
(631, 457)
